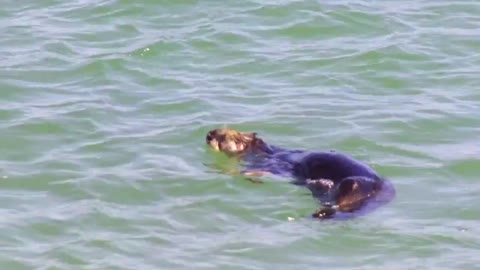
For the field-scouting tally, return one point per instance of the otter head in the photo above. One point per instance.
(353, 193)
(230, 141)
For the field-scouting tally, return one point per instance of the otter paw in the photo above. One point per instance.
(324, 183)
(255, 181)
(323, 213)
(255, 173)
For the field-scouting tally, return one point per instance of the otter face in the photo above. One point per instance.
(353, 193)
(229, 141)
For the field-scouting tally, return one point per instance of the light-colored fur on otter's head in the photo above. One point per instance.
(230, 141)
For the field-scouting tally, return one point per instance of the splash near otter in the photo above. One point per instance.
(344, 186)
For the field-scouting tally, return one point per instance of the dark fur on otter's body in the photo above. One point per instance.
(343, 185)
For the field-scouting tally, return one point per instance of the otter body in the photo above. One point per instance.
(303, 165)
(343, 185)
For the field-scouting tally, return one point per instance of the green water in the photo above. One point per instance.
(105, 106)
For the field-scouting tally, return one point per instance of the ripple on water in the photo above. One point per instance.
(105, 106)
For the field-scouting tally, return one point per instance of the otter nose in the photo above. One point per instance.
(209, 137)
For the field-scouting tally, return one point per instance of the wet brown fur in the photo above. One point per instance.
(350, 193)
(232, 142)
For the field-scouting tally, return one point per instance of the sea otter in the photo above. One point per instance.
(343, 185)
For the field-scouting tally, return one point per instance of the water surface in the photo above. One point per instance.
(105, 105)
